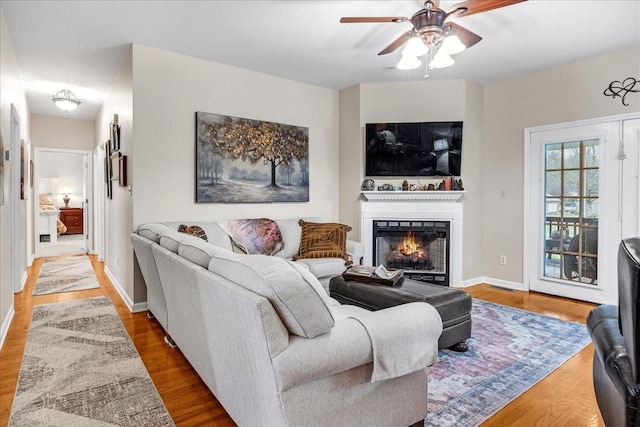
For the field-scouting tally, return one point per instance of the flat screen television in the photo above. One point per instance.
(413, 149)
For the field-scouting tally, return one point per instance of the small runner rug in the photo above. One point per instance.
(81, 369)
(510, 350)
(65, 275)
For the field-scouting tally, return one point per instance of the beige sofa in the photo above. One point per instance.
(322, 268)
(275, 349)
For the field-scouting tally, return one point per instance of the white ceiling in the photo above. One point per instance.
(80, 45)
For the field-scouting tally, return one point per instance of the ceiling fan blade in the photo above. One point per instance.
(365, 19)
(468, 38)
(478, 6)
(397, 43)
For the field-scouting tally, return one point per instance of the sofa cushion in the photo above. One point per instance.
(323, 240)
(323, 267)
(198, 251)
(290, 230)
(152, 231)
(193, 230)
(254, 235)
(296, 295)
(171, 239)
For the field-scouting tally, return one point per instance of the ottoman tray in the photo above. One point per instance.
(453, 305)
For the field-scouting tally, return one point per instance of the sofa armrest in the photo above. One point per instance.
(610, 348)
(355, 250)
(346, 346)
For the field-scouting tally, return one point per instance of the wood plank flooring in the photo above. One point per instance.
(564, 398)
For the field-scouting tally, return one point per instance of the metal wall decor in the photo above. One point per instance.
(620, 89)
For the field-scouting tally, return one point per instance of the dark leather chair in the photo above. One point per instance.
(615, 331)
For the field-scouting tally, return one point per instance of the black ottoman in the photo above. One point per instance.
(453, 305)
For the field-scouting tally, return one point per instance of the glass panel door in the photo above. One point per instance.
(571, 206)
(573, 217)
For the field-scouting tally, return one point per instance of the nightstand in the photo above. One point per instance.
(72, 218)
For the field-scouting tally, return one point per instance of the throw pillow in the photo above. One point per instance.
(254, 236)
(323, 240)
(193, 230)
(296, 295)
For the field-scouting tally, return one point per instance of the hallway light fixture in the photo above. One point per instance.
(65, 100)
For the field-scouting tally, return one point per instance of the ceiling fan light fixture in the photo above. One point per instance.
(65, 100)
(452, 44)
(442, 60)
(415, 47)
(408, 63)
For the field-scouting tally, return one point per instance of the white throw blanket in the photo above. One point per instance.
(400, 352)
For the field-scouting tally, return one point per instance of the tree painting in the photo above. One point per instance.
(241, 160)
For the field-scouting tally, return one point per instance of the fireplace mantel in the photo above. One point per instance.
(415, 205)
(413, 196)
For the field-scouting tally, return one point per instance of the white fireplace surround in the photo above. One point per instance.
(419, 206)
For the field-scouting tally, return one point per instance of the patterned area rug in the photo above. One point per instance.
(509, 352)
(81, 369)
(65, 275)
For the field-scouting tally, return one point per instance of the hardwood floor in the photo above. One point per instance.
(563, 398)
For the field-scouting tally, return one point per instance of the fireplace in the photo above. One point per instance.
(420, 248)
(434, 219)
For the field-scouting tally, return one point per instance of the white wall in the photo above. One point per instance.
(170, 88)
(118, 256)
(567, 93)
(11, 93)
(56, 132)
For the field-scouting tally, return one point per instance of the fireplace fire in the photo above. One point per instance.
(420, 248)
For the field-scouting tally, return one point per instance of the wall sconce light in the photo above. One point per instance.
(65, 100)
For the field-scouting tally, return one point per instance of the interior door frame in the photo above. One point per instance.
(87, 203)
(529, 215)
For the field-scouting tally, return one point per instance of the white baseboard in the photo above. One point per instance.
(138, 307)
(471, 282)
(23, 280)
(6, 323)
(133, 307)
(504, 284)
(494, 282)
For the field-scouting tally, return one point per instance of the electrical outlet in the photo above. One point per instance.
(503, 259)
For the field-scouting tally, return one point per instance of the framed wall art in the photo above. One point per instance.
(242, 160)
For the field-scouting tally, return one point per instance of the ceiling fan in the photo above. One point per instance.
(432, 33)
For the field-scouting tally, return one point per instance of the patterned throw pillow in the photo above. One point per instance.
(254, 236)
(193, 230)
(323, 240)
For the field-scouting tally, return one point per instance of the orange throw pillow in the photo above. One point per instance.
(323, 240)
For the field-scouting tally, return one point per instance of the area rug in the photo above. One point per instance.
(65, 275)
(81, 369)
(510, 350)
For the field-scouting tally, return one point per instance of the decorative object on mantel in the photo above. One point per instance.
(616, 88)
(385, 187)
(368, 185)
(405, 185)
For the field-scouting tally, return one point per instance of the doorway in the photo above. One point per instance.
(63, 194)
(582, 199)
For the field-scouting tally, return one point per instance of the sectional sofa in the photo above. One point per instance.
(273, 347)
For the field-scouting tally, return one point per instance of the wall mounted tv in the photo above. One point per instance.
(413, 149)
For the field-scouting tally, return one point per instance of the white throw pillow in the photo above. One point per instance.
(299, 299)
